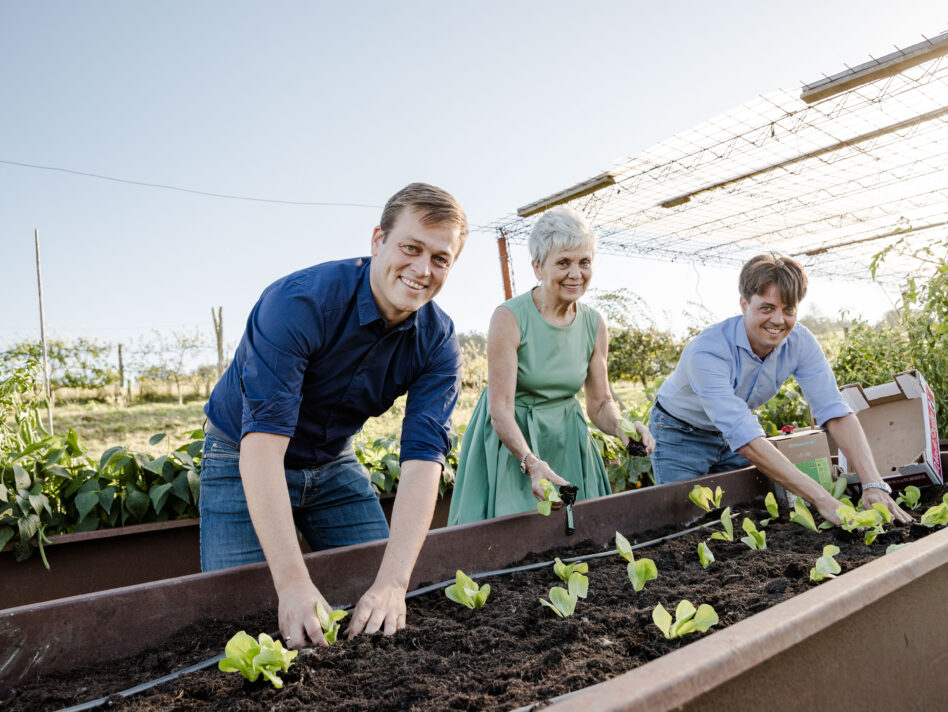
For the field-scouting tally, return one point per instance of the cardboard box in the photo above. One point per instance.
(899, 420)
(808, 449)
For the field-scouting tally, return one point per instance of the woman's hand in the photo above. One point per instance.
(647, 440)
(538, 470)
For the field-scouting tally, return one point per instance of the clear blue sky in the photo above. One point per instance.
(499, 102)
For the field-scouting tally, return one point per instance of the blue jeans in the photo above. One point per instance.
(683, 451)
(333, 505)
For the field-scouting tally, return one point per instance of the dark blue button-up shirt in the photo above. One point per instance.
(316, 361)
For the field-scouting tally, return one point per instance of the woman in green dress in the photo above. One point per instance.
(542, 347)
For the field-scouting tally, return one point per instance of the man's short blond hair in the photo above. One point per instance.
(759, 272)
(434, 205)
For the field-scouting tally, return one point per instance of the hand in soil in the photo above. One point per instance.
(875, 495)
(382, 607)
(297, 615)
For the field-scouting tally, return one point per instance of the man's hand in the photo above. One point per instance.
(381, 608)
(297, 614)
(874, 495)
(827, 507)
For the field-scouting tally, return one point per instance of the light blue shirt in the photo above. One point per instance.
(720, 380)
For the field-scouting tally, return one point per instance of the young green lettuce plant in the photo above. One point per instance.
(801, 515)
(755, 539)
(640, 571)
(936, 516)
(563, 600)
(466, 592)
(871, 520)
(770, 502)
(910, 497)
(550, 495)
(688, 619)
(826, 566)
(567, 571)
(704, 555)
(253, 658)
(329, 622)
(728, 533)
(705, 498)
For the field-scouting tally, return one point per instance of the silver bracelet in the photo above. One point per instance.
(523, 461)
(884, 486)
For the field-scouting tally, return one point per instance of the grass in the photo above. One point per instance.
(101, 426)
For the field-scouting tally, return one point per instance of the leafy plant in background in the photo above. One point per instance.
(562, 600)
(253, 658)
(625, 471)
(770, 502)
(466, 592)
(788, 407)
(826, 566)
(550, 496)
(704, 555)
(381, 458)
(329, 622)
(755, 539)
(728, 533)
(688, 619)
(936, 516)
(910, 497)
(705, 498)
(640, 571)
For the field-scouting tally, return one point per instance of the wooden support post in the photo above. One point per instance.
(218, 318)
(39, 286)
(505, 264)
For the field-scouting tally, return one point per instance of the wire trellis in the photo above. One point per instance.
(832, 182)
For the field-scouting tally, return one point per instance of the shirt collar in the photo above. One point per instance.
(368, 309)
(742, 342)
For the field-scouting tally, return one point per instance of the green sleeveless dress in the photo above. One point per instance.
(552, 363)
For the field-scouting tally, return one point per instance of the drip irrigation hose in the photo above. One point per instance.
(204, 664)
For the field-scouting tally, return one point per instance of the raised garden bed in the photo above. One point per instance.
(611, 632)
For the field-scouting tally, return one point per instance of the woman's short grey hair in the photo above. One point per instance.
(559, 228)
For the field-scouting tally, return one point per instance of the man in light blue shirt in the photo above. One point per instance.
(703, 420)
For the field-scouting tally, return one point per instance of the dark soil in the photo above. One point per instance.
(510, 653)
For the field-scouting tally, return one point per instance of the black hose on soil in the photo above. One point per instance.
(103, 701)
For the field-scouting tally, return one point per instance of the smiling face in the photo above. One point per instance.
(410, 263)
(565, 274)
(767, 319)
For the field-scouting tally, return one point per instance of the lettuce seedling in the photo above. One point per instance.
(936, 516)
(466, 592)
(801, 515)
(550, 496)
(564, 571)
(704, 555)
(770, 502)
(704, 498)
(826, 566)
(253, 658)
(567, 571)
(563, 602)
(870, 519)
(728, 533)
(640, 571)
(910, 497)
(754, 539)
(329, 622)
(687, 619)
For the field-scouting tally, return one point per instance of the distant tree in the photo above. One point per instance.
(73, 363)
(473, 360)
(164, 357)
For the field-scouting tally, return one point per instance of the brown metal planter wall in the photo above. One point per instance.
(858, 641)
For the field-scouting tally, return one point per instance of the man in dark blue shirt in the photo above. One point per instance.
(326, 348)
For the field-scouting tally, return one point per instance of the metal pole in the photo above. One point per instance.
(39, 287)
(505, 263)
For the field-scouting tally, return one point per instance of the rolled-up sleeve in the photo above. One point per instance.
(282, 332)
(709, 375)
(818, 382)
(431, 400)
